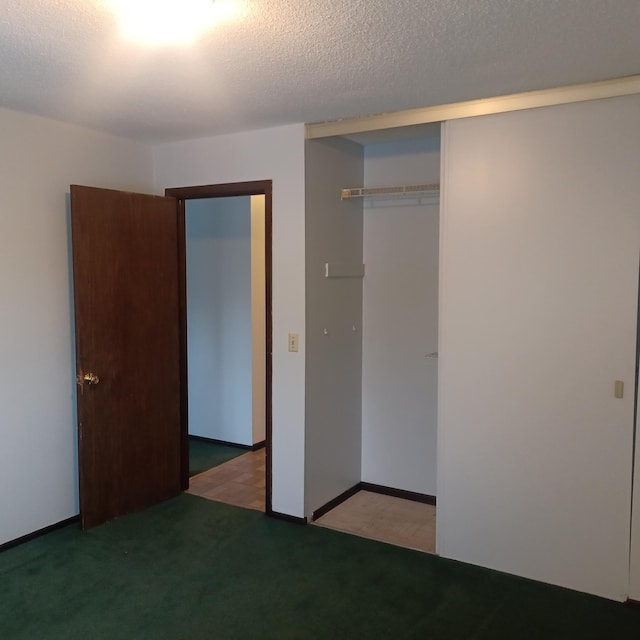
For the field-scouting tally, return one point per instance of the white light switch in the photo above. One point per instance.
(293, 342)
(619, 390)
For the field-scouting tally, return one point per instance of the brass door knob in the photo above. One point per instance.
(90, 378)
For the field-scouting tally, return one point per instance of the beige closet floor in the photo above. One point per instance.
(404, 523)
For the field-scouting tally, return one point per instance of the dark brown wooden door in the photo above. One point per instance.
(125, 273)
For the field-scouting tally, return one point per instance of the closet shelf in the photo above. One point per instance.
(369, 192)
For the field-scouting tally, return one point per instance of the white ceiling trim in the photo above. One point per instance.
(515, 102)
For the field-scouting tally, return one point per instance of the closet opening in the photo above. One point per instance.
(373, 203)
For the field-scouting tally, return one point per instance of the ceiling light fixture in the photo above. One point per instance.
(167, 22)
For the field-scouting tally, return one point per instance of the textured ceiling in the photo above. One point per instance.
(284, 61)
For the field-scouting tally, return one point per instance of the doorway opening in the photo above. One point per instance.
(242, 360)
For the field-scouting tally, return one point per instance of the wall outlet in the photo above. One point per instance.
(293, 342)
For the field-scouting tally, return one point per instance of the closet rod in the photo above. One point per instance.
(365, 192)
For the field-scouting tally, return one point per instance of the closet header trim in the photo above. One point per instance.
(515, 102)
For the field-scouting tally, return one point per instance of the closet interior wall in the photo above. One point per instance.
(333, 378)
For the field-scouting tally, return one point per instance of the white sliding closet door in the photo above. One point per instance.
(540, 245)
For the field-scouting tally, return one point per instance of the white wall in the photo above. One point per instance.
(334, 360)
(538, 294)
(39, 159)
(634, 582)
(276, 154)
(400, 319)
(218, 243)
(258, 321)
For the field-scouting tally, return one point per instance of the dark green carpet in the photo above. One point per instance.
(205, 455)
(199, 570)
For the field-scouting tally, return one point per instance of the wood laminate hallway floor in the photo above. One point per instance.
(240, 482)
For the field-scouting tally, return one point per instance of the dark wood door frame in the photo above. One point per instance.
(182, 194)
